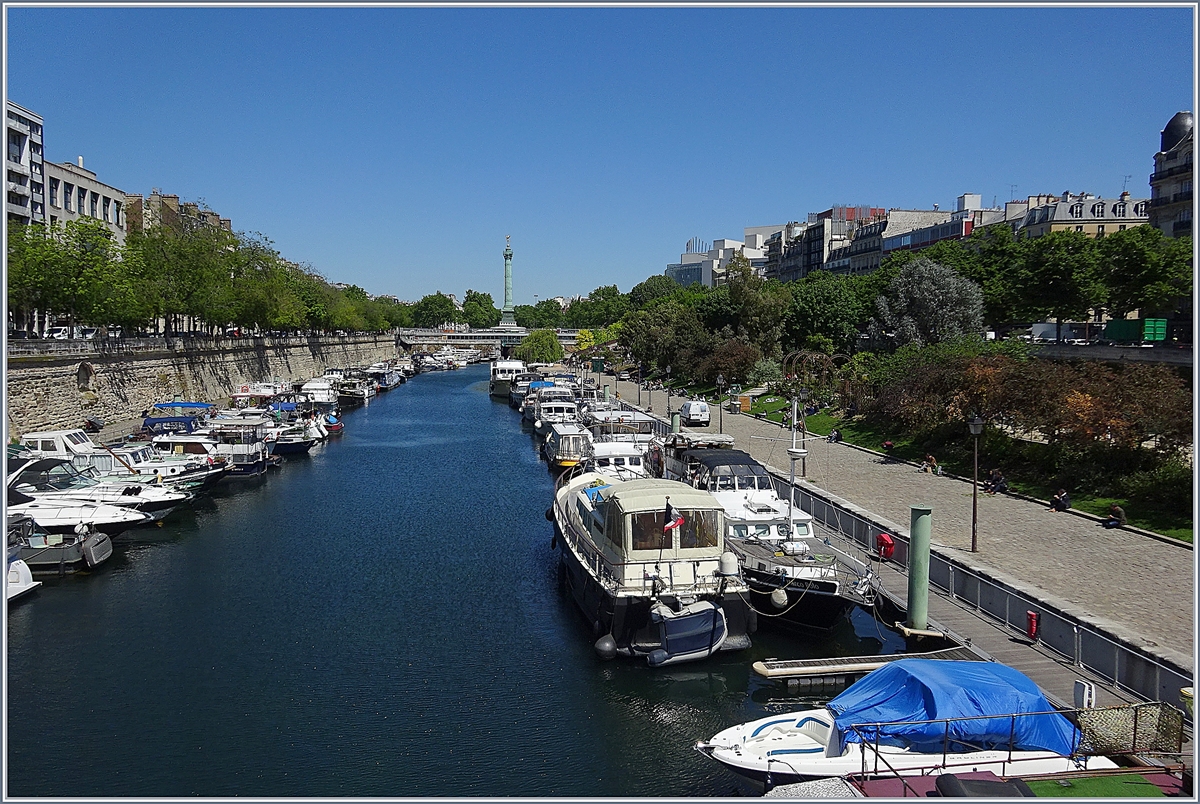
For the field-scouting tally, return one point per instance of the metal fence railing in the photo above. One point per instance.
(1123, 665)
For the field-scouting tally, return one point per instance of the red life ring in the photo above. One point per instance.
(245, 389)
(884, 545)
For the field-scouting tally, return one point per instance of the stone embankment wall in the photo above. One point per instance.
(114, 382)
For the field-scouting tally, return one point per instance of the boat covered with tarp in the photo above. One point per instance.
(911, 717)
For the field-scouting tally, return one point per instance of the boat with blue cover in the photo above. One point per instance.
(911, 717)
(177, 417)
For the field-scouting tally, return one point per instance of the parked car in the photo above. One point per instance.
(20, 335)
(624, 375)
(695, 414)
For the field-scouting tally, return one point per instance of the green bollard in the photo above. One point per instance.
(605, 393)
(674, 422)
(918, 567)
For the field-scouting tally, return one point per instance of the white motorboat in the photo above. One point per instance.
(791, 572)
(911, 717)
(19, 581)
(134, 462)
(620, 460)
(650, 586)
(567, 445)
(49, 553)
(502, 373)
(57, 479)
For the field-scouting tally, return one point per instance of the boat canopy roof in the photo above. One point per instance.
(569, 429)
(686, 440)
(717, 459)
(649, 494)
(902, 693)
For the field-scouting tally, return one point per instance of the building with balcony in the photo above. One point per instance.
(75, 192)
(25, 200)
(1085, 213)
(1171, 182)
(825, 232)
(867, 251)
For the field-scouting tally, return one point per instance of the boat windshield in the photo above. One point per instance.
(699, 529)
(57, 478)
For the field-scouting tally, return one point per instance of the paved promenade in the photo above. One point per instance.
(1132, 585)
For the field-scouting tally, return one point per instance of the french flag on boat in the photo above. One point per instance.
(671, 518)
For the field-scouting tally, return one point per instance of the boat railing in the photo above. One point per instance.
(1146, 728)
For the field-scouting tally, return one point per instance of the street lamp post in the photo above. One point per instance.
(976, 426)
(720, 402)
(641, 374)
(668, 384)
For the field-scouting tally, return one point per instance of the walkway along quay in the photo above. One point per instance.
(1117, 603)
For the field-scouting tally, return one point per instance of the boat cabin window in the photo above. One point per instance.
(751, 531)
(612, 532)
(699, 529)
(48, 446)
(77, 438)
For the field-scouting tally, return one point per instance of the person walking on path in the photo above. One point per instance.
(1060, 501)
(1116, 517)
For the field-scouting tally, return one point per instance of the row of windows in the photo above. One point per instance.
(81, 201)
(36, 128)
(1119, 210)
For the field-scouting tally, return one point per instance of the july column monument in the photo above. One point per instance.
(507, 319)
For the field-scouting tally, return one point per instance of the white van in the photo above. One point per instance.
(694, 414)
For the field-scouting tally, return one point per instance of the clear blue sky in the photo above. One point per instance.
(395, 148)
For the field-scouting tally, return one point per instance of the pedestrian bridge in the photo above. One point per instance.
(495, 336)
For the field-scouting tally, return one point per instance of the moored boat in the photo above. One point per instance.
(49, 553)
(911, 717)
(645, 562)
(502, 373)
(19, 580)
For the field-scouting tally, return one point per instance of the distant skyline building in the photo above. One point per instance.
(26, 198)
(76, 193)
(159, 209)
(1171, 182)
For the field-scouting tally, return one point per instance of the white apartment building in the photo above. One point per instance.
(708, 267)
(74, 192)
(26, 198)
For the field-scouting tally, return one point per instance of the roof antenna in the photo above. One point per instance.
(1125, 183)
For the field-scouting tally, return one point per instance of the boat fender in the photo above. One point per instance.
(885, 545)
(778, 598)
(606, 647)
(550, 514)
(657, 656)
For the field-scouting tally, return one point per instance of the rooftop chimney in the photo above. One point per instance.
(1125, 196)
(80, 159)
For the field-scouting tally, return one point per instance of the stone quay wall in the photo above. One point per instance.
(55, 386)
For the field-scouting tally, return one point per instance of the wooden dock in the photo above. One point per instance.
(853, 665)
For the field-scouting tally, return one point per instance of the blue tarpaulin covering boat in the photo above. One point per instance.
(963, 693)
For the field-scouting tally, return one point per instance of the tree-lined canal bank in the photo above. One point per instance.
(379, 619)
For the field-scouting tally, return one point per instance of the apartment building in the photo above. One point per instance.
(1171, 182)
(26, 198)
(75, 192)
(707, 263)
(1084, 212)
(159, 209)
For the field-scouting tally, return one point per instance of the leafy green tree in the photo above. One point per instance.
(927, 303)
(540, 346)
(584, 340)
(604, 305)
(434, 310)
(1000, 259)
(479, 311)
(1142, 269)
(654, 288)
(760, 305)
(734, 359)
(1060, 279)
(824, 305)
(717, 311)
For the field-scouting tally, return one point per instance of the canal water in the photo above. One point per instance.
(381, 618)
